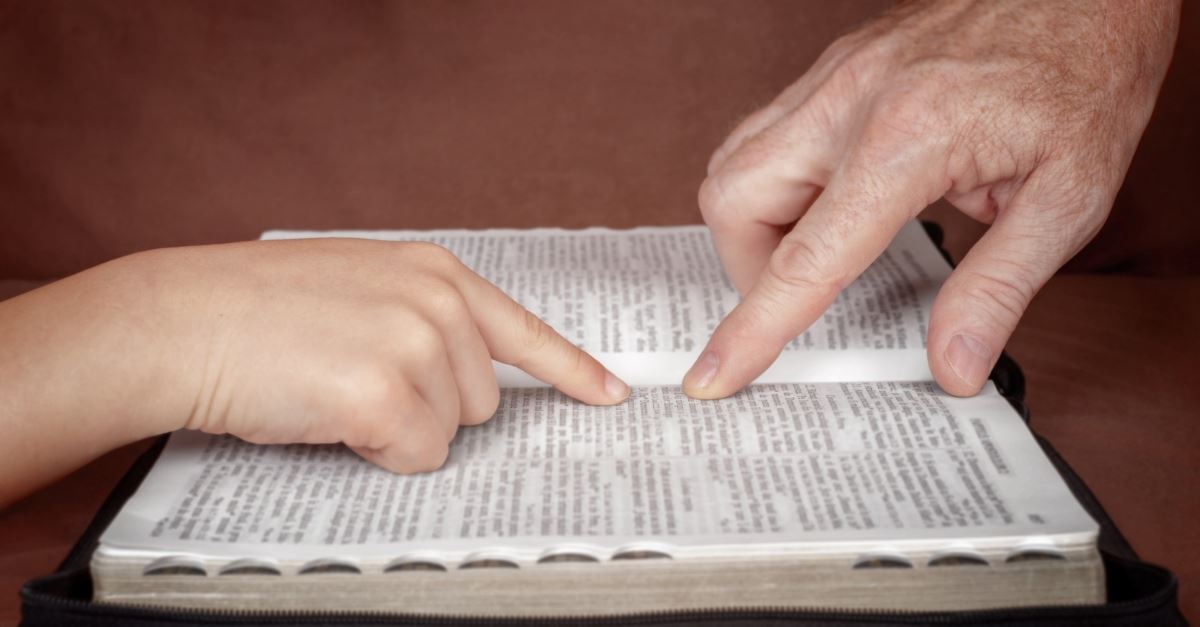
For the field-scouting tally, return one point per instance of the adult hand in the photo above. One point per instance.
(1024, 114)
(387, 347)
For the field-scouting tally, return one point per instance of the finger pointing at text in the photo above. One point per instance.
(1024, 115)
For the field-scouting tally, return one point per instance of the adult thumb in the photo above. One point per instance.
(980, 304)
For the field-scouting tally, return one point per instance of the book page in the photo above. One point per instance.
(796, 467)
(660, 291)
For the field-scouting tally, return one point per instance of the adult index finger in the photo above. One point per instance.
(848, 226)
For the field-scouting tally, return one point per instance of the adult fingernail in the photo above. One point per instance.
(703, 371)
(616, 388)
(970, 359)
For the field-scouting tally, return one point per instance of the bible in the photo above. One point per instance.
(842, 478)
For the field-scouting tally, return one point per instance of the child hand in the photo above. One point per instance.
(385, 346)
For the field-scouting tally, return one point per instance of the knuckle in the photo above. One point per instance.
(434, 255)
(423, 344)
(843, 45)
(1000, 295)
(751, 123)
(722, 200)
(713, 201)
(445, 305)
(863, 62)
(802, 263)
(755, 315)
(537, 334)
(484, 405)
(900, 116)
(1065, 202)
(580, 361)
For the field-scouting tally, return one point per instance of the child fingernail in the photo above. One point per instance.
(616, 388)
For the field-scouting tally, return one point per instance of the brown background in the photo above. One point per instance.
(126, 126)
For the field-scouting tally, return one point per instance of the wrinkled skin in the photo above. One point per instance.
(1022, 114)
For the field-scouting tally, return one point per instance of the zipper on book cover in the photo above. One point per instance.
(816, 615)
(1155, 601)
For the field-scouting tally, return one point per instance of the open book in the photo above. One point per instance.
(843, 478)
